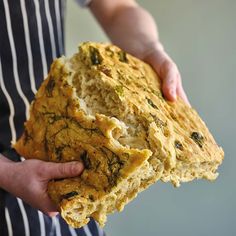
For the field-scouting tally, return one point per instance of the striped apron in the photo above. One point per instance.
(31, 36)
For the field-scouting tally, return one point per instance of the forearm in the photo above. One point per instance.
(130, 27)
(133, 29)
(6, 171)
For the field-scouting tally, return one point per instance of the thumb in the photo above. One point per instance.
(169, 81)
(63, 170)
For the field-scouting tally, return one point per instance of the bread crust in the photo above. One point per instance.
(105, 108)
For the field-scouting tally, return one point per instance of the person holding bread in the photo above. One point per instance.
(32, 36)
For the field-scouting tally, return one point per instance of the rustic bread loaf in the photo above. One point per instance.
(105, 108)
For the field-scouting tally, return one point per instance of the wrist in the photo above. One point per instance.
(156, 56)
(7, 169)
(154, 50)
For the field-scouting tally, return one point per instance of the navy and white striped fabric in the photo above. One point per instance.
(31, 36)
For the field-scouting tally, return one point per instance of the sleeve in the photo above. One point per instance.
(83, 3)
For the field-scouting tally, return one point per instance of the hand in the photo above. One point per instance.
(29, 179)
(117, 18)
(168, 73)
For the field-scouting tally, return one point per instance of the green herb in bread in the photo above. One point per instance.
(104, 107)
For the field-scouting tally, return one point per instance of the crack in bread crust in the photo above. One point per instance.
(105, 108)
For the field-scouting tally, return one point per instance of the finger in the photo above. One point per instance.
(49, 206)
(169, 79)
(166, 70)
(46, 205)
(62, 170)
(52, 214)
(181, 93)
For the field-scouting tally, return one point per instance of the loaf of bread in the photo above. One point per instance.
(105, 108)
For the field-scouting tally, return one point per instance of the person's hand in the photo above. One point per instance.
(29, 180)
(168, 73)
(118, 18)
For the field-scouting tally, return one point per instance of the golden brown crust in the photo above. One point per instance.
(105, 108)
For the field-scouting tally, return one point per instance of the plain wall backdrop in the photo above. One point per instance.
(200, 35)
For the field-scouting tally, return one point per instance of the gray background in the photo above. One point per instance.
(200, 35)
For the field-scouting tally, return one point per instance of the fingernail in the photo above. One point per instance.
(80, 165)
(77, 167)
